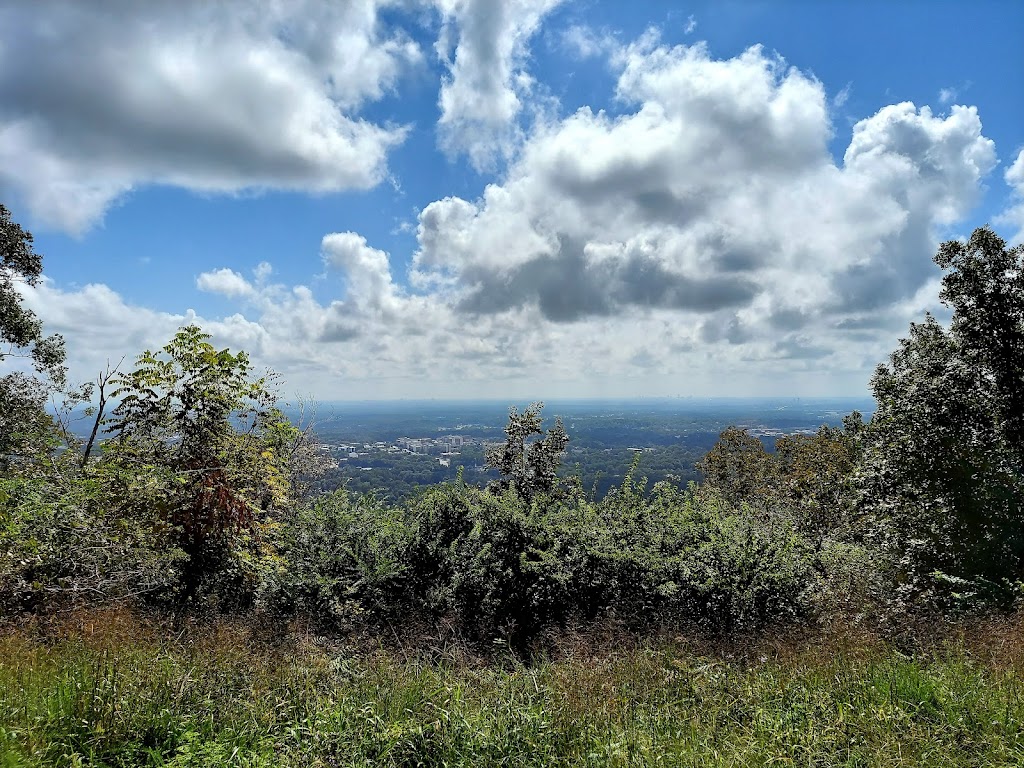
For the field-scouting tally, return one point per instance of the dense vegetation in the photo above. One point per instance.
(194, 497)
(99, 696)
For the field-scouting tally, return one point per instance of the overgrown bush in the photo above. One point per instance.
(341, 556)
(72, 542)
(696, 557)
(501, 566)
(484, 559)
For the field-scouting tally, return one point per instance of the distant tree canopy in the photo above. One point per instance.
(944, 467)
(808, 475)
(740, 468)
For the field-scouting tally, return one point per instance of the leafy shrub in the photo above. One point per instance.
(339, 557)
(501, 566)
(693, 556)
(481, 558)
(746, 568)
(71, 542)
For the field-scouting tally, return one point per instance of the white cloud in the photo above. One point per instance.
(98, 325)
(691, 25)
(99, 98)
(226, 282)
(263, 271)
(406, 346)
(703, 241)
(951, 94)
(483, 43)
(840, 99)
(1013, 216)
(583, 42)
(715, 209)
(367, 270)
(935, 162)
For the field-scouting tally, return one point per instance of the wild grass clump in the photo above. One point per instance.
(75, 698)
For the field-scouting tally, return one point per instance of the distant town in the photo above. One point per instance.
(447, 446)
(398, 448)
(444, 448)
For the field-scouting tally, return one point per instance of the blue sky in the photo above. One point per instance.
(511, 198)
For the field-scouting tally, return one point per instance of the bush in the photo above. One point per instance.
(70, 542)
(488, 560)
(340, 557)
(502, 567)
(692, 556)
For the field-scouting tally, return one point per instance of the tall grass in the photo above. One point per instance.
(127, 698)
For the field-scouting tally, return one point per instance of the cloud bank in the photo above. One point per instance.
(702, 229)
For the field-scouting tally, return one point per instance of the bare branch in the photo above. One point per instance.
(101, 382)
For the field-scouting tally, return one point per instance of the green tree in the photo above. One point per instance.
(984, 286)
(740, 469)
(817, 473)
(25, 428)
(531, 467)
(944, 465)
(209, 448)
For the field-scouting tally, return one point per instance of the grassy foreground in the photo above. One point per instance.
(110, 690)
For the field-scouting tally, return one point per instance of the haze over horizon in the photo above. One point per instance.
(514, 199)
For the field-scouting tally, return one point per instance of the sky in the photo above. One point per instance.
(385, 199)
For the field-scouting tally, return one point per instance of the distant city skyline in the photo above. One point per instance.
(514, 199)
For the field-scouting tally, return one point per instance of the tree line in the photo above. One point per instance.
(195, 494)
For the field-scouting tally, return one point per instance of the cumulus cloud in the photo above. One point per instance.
(98, 325)
(926, 170)
(714, 201)
(367, 269)
(371, 298)
(411, 345)
(1013, 216)
(702, 232)
(226, 282)
(483, 44)
(99, 98)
